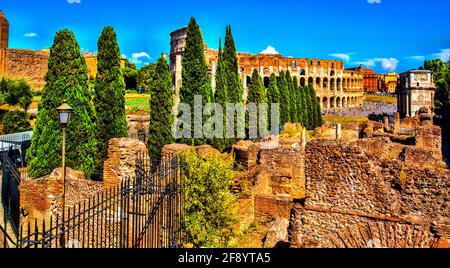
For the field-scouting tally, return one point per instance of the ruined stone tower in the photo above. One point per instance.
(4, 31)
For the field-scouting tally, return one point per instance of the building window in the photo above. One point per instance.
(294, 63)
(310, 63)
(318, 63)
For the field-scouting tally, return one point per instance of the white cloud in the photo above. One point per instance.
(415, 58)
(388, 64)
(74, 1)
(270, 50)
(31, 35)
(444, 55)
(138, 58)
(374, 1)
(343, 56)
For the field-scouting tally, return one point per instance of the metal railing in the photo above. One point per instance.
(142, 212)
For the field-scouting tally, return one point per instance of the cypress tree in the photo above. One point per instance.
(231, 69)
(318, 121)
(284, 99)
(221, 97)
(231, 76)
(109, 98)
(304, 107)
(310, 122)
(161, 104)
(292, 99)
(256, 90)
(67, 78)
(298, 101)
(273, 95)
(195, 76)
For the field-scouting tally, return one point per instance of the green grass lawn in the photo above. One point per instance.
(378, 98)
(345, 120)
(137, 104)
(134, 103)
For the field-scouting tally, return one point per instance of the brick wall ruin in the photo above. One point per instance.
(28, 64)
(121, 162)
(357, 197)
(370, 192)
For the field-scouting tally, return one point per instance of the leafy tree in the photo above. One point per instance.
(16, 92)
(195, 76)
(16, 121)
(67, 78)
(441, 76)
(130, 77)
(221, 97)
(161, 104)
(144, 77)
(109, 98)
(292, 98)
(273, 95)
(284, 99)
(209, 203)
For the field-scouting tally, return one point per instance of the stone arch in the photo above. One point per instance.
(318, 82)
(338, 102)
(325, 83)
(326, 105)
(332, 102)
(332, 73)
(332, 83)
(302, 72)
(266, 81)
(339, 84)
(379, 234)
(302, 81)
(310, 81)
(249, 80)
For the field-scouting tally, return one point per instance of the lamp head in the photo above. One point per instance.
(64, 112)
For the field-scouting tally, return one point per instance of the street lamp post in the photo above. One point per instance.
(64, 112)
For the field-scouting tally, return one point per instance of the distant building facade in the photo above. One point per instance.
(416, 89)
(370, 79)
(335, 86)
(388, 82)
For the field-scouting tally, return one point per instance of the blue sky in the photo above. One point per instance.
(385, 35)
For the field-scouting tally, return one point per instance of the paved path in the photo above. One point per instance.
(365, 110)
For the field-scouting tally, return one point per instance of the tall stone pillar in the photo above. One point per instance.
(338, 131)
(396, 123)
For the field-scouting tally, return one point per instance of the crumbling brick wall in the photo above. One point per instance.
(342, 175)
(28, 64)
(357, 196)
(121, 162)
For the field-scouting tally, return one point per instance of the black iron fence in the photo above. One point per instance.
(142, 212)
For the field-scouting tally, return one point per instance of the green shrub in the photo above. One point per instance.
(15, 121)
(209, 202)
(15, 92)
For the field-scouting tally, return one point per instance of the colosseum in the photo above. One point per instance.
(336, 87)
